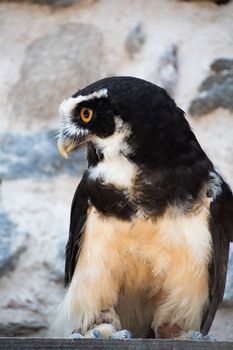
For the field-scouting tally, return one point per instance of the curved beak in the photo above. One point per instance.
(65, 146)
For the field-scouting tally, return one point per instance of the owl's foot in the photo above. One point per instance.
(106, 324)
(197, 336)
(124, 334)
(102, 331)
(76, 335)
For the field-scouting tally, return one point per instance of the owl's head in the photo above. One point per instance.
(124, 115)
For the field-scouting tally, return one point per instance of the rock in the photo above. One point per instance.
(135, 39)
(56, 65)
(34, 154)
(56, 2)
(12, 244)
(228, 295)
(222, 64)
(221, 2)
(56, 267)
(219, 96)
(218, 2)
(21, 323)
(25, 328)
(216, 90)
(167, 70)
(51, 2)
(27, 304)
(223, 77)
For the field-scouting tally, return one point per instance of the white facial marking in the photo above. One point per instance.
(115, 168)
(71, 130)
(68, 105)
(65, 110)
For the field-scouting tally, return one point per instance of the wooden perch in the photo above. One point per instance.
(105, 344)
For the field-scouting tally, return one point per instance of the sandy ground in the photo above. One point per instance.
(201, 30)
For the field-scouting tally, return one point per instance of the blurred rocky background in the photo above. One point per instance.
(49, 49)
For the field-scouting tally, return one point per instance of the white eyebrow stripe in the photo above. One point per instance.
(67, 105)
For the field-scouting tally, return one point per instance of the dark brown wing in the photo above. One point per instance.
(77, 221)
(221, 227)
(78, 217)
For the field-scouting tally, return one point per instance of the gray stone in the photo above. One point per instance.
(216, 90)
(221, 2)
(29, 154)
(202, 105)
(56, 2)
(228, 295)
(135, 39)
(56, 65)
(50, 2)
(224, 77)
(12, 244)
(21, 323)
(217, 2)
(220, 95)
(25, 328)
(167, 70)
(222, 64)
(56, 266)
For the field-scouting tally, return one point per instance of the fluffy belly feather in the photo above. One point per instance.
(152, 271)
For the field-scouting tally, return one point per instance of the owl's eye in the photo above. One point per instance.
(86, 114)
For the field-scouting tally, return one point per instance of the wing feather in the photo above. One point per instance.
(221, 228)
(78, 217)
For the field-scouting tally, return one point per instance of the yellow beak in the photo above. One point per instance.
(65, 147)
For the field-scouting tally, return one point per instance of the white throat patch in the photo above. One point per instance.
(115, 169)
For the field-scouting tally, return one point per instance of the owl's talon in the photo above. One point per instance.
(76, 336)
(97, 334)
(198, 336)
(124, 334)
(209, 337)
(100, 331)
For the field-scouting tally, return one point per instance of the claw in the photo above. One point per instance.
(97, 333)
(209, 337)
(76, 336)
(197, 336)
(124, 334)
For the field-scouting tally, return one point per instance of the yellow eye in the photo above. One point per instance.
(86, 114)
